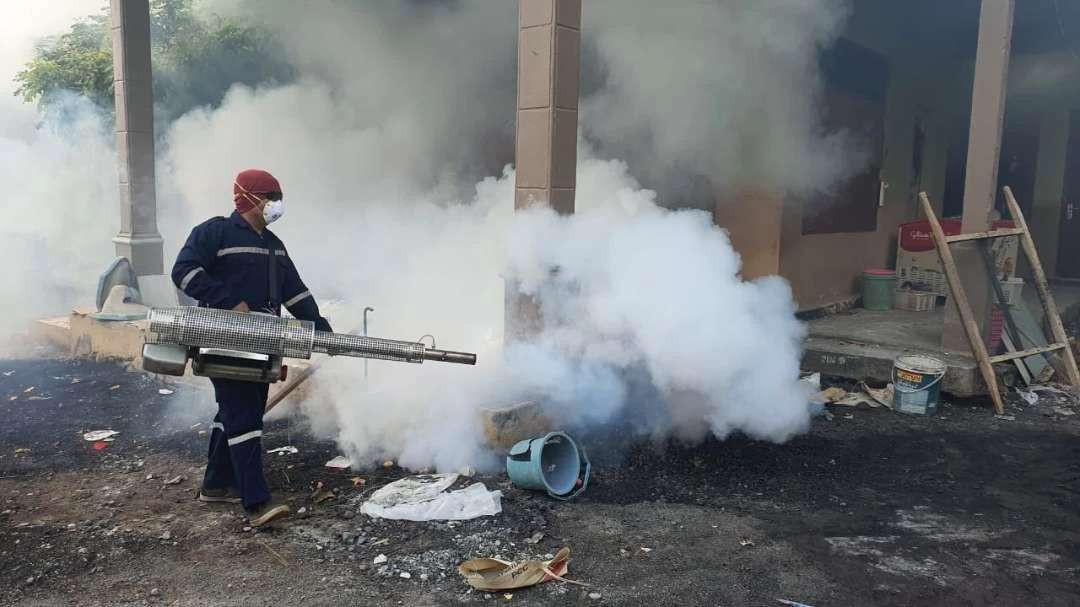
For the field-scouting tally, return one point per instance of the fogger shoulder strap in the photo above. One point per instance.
(275, 292)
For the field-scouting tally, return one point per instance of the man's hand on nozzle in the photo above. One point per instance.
(242, 307)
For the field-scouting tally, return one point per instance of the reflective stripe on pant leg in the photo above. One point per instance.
(245, 437)
(219, 467)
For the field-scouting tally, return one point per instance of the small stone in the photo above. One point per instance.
(594, 596)
(155, 592)
(379, 560)
(347, 537)
(166, 536)
(302, 510)
(423, 577)
(30, 580)
(405, 575)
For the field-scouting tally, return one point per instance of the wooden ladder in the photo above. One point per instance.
(967, 317)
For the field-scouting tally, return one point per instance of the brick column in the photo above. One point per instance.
(549, 74)
(984, 148)
(138, 239)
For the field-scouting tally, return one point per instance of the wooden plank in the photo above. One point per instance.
(1044, 289)
(971, 329)
(1002, 233)
(1025, 353)
(1021, 365)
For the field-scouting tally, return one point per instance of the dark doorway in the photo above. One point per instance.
(1068, 260)
(856, 83)
(1016, 169)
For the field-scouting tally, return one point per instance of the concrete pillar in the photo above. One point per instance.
(984, 148)
(549, 75)
(138, 239)
(1045, 221)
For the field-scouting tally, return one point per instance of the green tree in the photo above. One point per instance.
(78, 61)
(195, 61)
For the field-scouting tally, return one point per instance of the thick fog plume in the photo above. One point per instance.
(726, 89)
(59, 173)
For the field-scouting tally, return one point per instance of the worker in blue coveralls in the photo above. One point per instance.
(226, 264)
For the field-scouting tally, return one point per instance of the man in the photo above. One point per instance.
(236, 263)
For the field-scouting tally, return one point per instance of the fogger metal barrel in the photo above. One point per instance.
(276, 336)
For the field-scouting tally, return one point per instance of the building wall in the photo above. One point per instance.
(825, 268)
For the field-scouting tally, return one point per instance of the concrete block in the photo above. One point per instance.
(505, 426)
(135, 156)
(525, 198)
(111, 340)
(568, 13)
(532, 13)
(533, 148)
(567, 67)
(534, 68)
(564, 149)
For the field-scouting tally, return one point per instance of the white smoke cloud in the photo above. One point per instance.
(722, 88)
(373, 144)
(398, 107)
(60, 206)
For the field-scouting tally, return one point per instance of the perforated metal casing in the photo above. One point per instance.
(227, 330)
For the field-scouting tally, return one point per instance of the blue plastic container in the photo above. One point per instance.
(552, 463)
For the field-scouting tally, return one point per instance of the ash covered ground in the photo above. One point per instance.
(868, 508)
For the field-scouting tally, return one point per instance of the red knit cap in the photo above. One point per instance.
(252, 181)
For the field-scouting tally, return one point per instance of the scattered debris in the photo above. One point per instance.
(646, 550)
(8, 373)
(746, 542)
(155, 592)
(22, 451)
(176, 480)
(100, 435)
(1063, 411)
(100, 446)
(116, 387)
(595, 596)
(491, 575)
(167, 535)
(1029, 397)
(379, 560)
(388, 463)
(340, 462)
(405, 575)
(508, 596)
(1007, 418)
(467, 471)
(358, 481)
(536, 537)
(792, 603)
(286, 450)
(321, 493)
(40, 398)
(424, 498)
(28, 390)
(164, 391)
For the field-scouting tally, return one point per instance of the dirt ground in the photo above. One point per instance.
(868, 508)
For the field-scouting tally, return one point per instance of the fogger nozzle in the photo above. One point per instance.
(275, 336)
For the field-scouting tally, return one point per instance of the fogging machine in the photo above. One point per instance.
(250, 346)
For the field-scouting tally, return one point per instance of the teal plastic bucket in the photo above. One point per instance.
(878, 287)
(917, 384)
(552, 463)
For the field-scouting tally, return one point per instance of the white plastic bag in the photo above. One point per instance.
(424, 498)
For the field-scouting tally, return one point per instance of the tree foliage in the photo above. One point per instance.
(195, 60)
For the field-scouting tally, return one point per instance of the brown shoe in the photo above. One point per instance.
(266, 512)
(219, 496)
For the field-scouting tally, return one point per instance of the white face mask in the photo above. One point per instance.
(273, 210)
